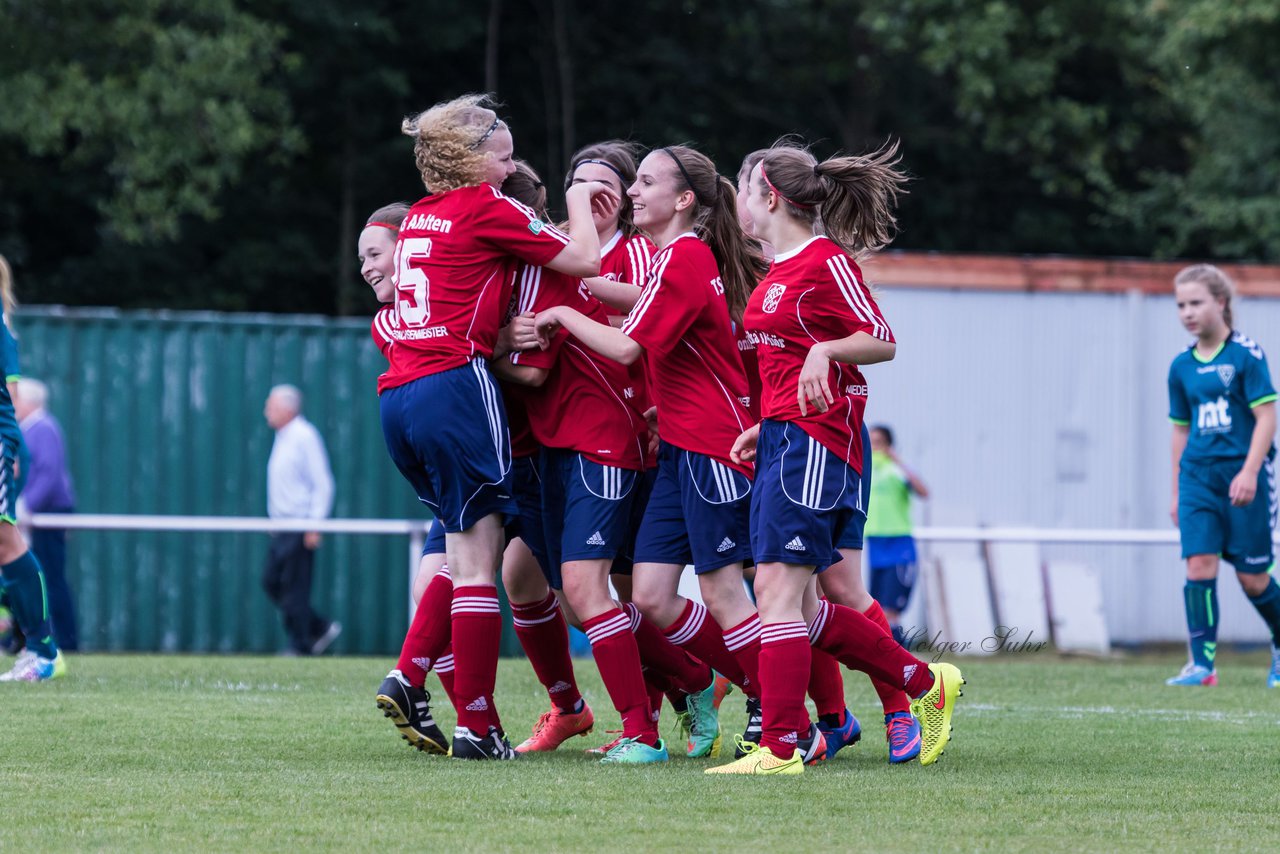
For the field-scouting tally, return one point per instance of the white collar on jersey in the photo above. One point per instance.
(613, 241)
(787, 256)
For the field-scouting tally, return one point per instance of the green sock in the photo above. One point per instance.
(1268, 605)
(29, 602)
(1201, 601)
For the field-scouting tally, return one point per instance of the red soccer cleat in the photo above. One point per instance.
(555, 727)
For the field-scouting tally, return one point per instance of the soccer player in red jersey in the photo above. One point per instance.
(841, 582)
(583, 412)
(402, 696)
(626, 255)
(451, 284)
(813, 321)
(683, 323)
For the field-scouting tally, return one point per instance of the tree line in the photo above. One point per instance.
(221, 154)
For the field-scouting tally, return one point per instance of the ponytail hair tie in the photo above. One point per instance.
(817, 169)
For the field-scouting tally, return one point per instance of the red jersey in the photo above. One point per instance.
(523, 443)
(751, 367)
(623, 260)
(452, 279)
(587, 403)
(811, 294)
(682, 321)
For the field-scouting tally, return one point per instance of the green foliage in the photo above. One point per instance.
(170, 753)
(1217, 65)
(168, 98)
(219, 154)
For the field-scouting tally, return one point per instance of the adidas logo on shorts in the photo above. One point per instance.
(479, 704)
(725, 545)
(796, 545)
(595, 539)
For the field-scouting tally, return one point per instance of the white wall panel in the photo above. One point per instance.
(1050, 409)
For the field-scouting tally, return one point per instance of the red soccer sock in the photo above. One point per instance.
(743, 641)
(428, 634)
(477, 635)
(784, 673)
(697, 631)
(892, 698)
(618, 658)
(444, 671)
(858, 643)
(684, 672)
(544, 635)
(826, 684)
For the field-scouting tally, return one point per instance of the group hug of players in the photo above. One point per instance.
(627, 394)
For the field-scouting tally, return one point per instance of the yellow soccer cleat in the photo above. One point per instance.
(934, 709)
(760, 760)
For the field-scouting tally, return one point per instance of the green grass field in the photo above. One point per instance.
(219, 753)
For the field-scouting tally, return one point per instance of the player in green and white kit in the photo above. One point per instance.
(20, 573)
(891, 544)
(1222, 405)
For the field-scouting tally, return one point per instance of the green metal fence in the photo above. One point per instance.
(163, 414)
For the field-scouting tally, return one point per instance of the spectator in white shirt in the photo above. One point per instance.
(299, 486)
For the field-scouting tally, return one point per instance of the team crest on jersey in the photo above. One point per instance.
(536, 225)
(1226, 373)
(772, 297)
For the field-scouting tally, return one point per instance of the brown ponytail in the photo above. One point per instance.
(852, 197)
(715, 221)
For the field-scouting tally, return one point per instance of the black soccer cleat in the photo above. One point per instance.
(410, 710)
(493, 745)
(755, 727)
(812, 746)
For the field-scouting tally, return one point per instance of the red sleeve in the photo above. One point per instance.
(639, 258)
(515, 229)
(856, 309)
(538, 289)
(668, 305)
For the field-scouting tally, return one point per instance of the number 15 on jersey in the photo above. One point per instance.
(413, 302)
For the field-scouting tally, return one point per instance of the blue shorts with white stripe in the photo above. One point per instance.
(447, 434)
(586, 509)
(699, 513)
(852, 535)
(805, 497)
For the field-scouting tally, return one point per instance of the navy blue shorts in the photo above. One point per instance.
(447, 434)
(699, 513)
(586, 509)
(852, 535)
(435, 539)
(625, 561)
(1209, 525)
(891, 585)
(805, 497)
(528, 523)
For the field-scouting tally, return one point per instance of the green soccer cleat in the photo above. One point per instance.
(704, 723)
(934, 709)
(628, 751)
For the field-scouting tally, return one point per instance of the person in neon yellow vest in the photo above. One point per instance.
(891, 546)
